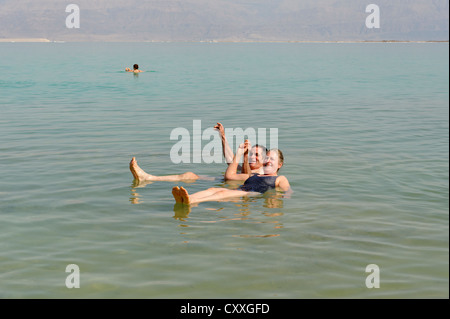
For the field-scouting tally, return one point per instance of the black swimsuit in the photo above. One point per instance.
(259, 183)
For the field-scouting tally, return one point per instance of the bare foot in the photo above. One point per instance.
(185, 196)
(176, 194)
(138, 172)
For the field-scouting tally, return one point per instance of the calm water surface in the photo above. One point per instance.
(363, 127)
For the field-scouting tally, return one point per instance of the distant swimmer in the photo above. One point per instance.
(135, 69)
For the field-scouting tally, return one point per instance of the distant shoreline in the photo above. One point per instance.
(24, 40)
(44, 40)
(323, 41)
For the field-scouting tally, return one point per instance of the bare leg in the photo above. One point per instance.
(206, 193)
(141, 175)
(212, 194)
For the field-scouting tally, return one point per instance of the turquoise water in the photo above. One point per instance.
(365, 133)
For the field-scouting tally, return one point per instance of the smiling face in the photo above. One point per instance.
(272, 163)
(256, 157)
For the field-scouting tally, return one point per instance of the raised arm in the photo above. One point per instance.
(246, 165)
(231, 172)
(227, 151)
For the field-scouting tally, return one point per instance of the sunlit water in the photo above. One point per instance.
(363, 127)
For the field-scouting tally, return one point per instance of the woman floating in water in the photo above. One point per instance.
(254, 184)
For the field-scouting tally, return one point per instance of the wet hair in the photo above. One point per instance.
(280, 156)
(136, 66)
(262, 147)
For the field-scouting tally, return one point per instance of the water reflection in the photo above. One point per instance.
(256, 236)
(249, 209)
(273, 199)
(181, 211)
(135, 197)
(265, 210)
(140, 184)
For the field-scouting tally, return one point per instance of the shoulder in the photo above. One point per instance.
(281, 178)
(282, 182)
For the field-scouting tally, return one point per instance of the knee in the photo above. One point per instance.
(190, 175)
(215, 190)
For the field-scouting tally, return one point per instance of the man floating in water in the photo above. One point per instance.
(135, 69)
(253, 163)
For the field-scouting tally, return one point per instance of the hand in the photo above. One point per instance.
(242, 148)
(219, 127)
(248, 145)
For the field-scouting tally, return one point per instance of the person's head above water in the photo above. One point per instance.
(273, 161)
(135, 69)
(256, 156)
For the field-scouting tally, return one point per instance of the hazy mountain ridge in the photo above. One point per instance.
(235, 20)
